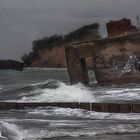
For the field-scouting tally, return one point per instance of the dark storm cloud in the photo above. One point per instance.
(22, 21)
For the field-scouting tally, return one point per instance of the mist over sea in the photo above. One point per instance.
(52, 85)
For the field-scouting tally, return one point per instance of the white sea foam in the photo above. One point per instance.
(56, 91)
(34, 133)
(14, 132)
(10, 131)
(80, 113)
(121, 94)
(63, 93)
(121, 129)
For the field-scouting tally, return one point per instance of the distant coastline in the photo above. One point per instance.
(11, 64)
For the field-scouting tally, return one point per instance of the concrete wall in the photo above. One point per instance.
(115, 60)
(76, 63)
(118, 61)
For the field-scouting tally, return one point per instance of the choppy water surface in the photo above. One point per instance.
(59, 123)
(52, 85)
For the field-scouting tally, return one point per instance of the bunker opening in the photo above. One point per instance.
(91, 73)
(87, 70)
(78, 68)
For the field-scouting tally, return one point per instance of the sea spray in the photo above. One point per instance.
(53, 90)
(10, 131)
(62, 93)
(62, 123)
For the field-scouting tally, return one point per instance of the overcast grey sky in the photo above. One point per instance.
(22, 21)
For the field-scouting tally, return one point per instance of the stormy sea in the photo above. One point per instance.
(54, 123)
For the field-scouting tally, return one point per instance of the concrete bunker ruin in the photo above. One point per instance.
(115, 58)
(76, 61)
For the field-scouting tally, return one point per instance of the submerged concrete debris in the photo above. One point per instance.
(116, 59)
(11, 64)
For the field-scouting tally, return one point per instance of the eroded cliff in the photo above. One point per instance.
(50, 51)
(51, 57)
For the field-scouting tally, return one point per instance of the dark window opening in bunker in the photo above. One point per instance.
(87, 70)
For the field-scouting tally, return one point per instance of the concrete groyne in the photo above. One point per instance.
(98, 107)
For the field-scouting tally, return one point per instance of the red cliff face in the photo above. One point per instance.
(50, 57)
(54, 57)
(50, 51)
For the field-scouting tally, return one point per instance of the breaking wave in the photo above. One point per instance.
(9, 131)
(54, 91)
(47, 123)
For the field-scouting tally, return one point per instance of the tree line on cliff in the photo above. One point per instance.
(87, 32)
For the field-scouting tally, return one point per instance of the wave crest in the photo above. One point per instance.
(56, 91)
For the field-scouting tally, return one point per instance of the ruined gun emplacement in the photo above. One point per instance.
(116, 59)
